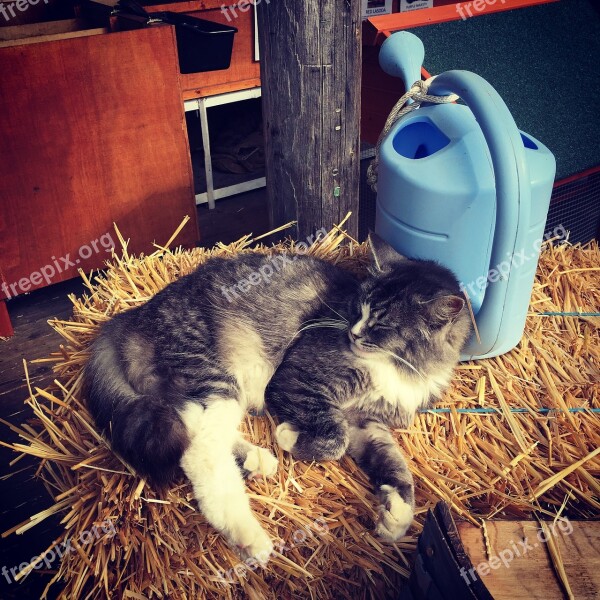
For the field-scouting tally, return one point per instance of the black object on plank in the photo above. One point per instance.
(440, 560)
(202, 45)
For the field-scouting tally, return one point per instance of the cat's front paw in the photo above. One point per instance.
(256, 545)
(287, 436)
(260, 462)
(395, 515)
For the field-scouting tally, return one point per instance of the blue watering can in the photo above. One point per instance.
(461, 185)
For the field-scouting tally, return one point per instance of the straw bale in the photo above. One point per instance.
(497, 464)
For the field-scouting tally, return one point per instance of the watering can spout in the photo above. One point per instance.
(402, 55)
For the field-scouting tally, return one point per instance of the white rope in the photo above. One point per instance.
(418, 93)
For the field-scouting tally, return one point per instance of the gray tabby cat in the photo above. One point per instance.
(170, 381)
(382, 354)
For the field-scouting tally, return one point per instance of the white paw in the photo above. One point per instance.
(255, 544)
(260, 462)
(395, 515)
(286, 436)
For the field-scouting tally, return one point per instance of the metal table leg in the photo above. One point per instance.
(210, 191)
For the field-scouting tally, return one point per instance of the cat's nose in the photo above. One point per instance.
(356, 331)
(353, 337)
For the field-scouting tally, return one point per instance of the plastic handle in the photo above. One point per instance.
(513, 192)
(402, 55)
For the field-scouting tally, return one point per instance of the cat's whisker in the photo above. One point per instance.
(318, 323)
(322, 324)
(332, 309)
(405, 362)
(402, 360)
(343, 324)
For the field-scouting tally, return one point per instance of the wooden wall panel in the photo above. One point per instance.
(92, 132)
(379, 94)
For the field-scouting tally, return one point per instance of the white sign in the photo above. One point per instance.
(372, 8)
(406, 5)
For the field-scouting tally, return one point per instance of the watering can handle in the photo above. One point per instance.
(513, 193)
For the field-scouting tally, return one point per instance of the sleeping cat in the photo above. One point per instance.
(375, 359)
(169, 381)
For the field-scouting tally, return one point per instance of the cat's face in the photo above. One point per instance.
(408, 309)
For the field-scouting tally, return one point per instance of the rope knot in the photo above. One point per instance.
(418, 94)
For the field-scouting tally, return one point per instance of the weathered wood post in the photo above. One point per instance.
(310, 53)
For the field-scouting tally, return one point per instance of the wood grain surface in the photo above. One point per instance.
(93, 133)
(522, 569)
(310, 73)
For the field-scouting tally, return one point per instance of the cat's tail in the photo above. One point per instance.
(144, 430)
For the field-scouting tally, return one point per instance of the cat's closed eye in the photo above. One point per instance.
(378, 313)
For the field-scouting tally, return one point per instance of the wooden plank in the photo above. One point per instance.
(22, 494)
(189, 6)
(219, 88)
(16, 32)
(310, 73)
(6, 328)
(53, 37)
(93, 134)
(523, 571)
(379, 94)
(243, 72)
(181, 7)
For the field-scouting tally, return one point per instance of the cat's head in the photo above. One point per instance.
(411, 309)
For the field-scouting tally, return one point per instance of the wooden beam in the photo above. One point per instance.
(310, 72)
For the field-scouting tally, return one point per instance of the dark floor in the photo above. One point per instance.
(233, 218)
(22, 495)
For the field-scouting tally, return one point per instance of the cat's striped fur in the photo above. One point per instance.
(169, 381)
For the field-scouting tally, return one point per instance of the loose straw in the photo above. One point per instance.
(514, 437)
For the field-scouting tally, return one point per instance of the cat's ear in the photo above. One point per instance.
(447, 308)
(384, 256)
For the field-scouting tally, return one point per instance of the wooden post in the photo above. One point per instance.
(310, 53)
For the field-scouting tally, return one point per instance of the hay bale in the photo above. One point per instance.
(490, 464)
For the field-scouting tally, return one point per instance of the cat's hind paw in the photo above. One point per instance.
(260, 463)
(287, 436)
(395, 515)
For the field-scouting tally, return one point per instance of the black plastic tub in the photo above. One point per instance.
(202, 45)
